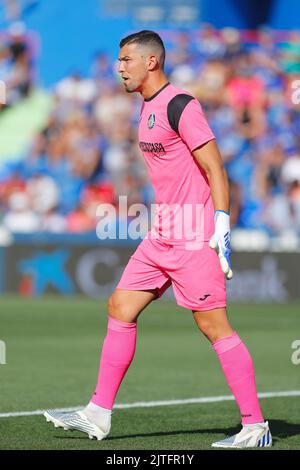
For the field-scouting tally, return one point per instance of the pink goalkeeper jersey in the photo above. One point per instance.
(172, 125)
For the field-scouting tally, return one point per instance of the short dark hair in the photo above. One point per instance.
(147, 38)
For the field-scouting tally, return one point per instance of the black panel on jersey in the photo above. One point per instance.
(175, 109)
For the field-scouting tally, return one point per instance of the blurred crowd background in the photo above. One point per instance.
(86, 151)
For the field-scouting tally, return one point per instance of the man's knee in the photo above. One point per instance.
(213, 324)
(214, 330)
(207, 328)
(120, 309)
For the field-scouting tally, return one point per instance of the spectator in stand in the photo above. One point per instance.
(5, 68)
(43, 193)
(209, 43)
(20, 217)
(113, 108)
(80, 220)
(246, 93)
(16, 68)
(53, 222)
(231, 38)
(290, 54)
(102, 71)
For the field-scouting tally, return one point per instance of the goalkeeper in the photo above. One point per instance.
(188, 249)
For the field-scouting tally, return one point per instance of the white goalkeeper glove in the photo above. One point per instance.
(220, 241)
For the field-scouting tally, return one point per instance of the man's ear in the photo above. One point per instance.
(152, 62)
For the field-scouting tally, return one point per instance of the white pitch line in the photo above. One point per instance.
(151, 404)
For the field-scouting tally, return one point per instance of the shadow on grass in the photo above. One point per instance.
(280, 430)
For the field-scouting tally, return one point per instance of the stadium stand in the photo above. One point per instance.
(80, 147)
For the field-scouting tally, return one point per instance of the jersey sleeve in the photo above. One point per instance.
(187, 119)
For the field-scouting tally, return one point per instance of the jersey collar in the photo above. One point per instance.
(157, 93)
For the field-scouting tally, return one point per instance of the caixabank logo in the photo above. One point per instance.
(90, 271)
(45, 269)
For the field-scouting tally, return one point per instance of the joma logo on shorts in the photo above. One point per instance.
(204, 297)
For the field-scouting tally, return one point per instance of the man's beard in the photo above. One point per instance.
(131, 88)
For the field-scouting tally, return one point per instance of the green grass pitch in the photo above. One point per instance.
(52, 353)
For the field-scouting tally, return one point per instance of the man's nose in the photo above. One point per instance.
(121, 67)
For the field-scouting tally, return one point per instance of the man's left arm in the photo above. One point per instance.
(187, 118)
(210, 160)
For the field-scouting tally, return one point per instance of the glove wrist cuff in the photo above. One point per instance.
(224, 212)
(222, 221)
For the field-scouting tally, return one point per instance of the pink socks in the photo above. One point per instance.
(117, 353)
(119, 348)
(239, 372)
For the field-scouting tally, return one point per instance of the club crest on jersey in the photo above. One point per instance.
(151, 121)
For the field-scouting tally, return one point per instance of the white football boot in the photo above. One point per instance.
(251, 435)
(77, 421)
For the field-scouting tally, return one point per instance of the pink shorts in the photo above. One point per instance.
(196, 276)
